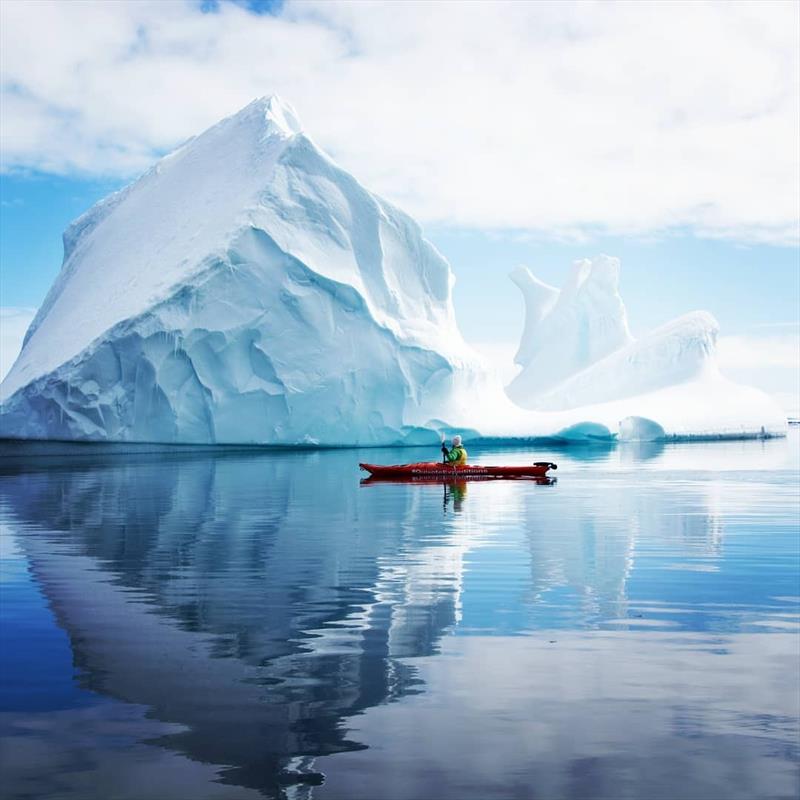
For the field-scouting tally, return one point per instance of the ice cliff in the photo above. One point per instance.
(248, 290)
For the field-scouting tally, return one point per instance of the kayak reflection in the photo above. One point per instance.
(373, 480)
(454, 491)
(457, 492)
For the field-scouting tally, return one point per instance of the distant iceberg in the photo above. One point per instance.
(578, 358)
(247, 290)
(567, 331)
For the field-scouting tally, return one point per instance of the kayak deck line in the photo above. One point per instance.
(435, 470)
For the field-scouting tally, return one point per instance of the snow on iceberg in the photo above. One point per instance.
(248, 290)
(679, 351)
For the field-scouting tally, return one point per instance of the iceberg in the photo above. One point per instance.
(247, 290)
(569, 330)
(678, 352)
(244, 290)
(578, 357)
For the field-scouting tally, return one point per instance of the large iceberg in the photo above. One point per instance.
(247, 290)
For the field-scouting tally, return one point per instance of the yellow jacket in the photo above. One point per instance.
(458, 456)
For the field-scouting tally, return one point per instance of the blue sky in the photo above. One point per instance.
(515, 133)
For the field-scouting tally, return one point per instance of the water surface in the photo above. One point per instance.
(261, 624)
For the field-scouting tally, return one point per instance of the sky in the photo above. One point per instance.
(515, 133)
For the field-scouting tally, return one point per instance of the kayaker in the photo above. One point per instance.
(457, 455)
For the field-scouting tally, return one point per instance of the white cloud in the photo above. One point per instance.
(760, 351)
(13, 324)
(552, 117)
(767, 357)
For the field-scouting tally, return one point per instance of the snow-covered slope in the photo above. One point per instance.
(680, 351)
(248, 290)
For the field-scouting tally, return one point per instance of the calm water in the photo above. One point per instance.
(246, 625)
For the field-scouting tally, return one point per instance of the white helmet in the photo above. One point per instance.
(456, 441)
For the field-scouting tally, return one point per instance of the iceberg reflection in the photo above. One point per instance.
(265, 611)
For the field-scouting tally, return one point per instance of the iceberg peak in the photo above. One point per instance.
(275, 112)
(266, 116)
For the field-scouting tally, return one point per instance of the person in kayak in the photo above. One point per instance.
(457, 455)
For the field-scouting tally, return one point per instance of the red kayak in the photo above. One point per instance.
(427, 469)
